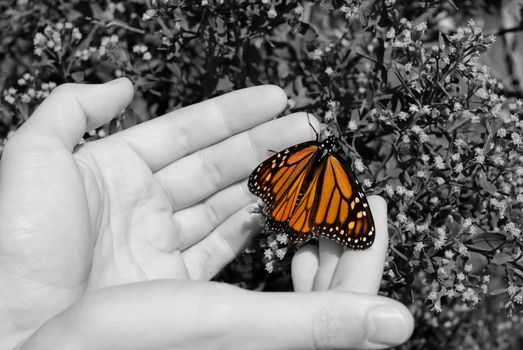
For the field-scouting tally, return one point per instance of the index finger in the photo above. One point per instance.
(361, 270)
(165, 139)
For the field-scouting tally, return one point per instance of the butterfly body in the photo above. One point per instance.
(310, 191)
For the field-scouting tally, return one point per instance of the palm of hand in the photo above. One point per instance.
(110, 223)
(132, 218)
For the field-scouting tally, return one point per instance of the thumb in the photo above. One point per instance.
(200, 315)
(71, 110)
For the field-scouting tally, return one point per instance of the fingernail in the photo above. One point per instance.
(386, 326)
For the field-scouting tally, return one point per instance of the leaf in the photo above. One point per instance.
(78, 77)
(379, 51)
(307, 30)
(487, 185)
(224, 85)
(497, 291)
(501, 258)
(97, 11)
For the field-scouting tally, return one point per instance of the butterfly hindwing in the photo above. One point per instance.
(342, 212)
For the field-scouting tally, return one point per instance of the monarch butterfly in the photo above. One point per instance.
(310, 191)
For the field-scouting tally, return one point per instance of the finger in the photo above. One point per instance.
(194, 223)
(165, 139)
(199, 315)
(361, 270)
(39, 174)
(71, 110)
(207, 257)
(329, 255)
(199, 175)
(304, 267)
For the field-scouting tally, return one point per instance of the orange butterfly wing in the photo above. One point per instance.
(310, 194)
(279, 179)
(342, 212)
(300, 223)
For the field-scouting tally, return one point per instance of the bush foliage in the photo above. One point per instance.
(425, 124)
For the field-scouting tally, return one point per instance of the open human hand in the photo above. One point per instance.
(111, 244)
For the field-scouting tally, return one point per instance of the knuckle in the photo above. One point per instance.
(211, 169)
(64, 90)
(331, 329)
(212, 215)
(181, 135)
(322, 328)
(178, 231)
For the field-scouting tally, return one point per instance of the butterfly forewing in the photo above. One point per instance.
(300, 224)
(278, 180)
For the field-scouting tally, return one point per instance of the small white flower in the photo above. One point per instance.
(433, 295)
(460, 143)
(467, 267)
(359, 166)
(269, 267)
(421, 27)
(282, 238)
(440, 164)
(77, 35)
(280, 253)
(317, 54)
(480, 155)
(268, 254)
(139, 48)
(516, 138)
(482, 93)
(463, 250)
(439, 180)
(402, 218)
(413, 108)
(402, 116)
(391, 34)
(272, 13)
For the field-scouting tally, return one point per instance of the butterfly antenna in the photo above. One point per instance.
(312, 127)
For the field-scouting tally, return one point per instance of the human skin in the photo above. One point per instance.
(111, 244)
